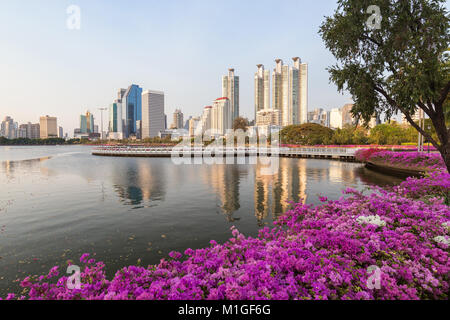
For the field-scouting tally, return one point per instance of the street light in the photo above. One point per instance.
(101, 112)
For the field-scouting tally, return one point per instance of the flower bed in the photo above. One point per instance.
(410, 160)
(380, 147)
(321, 252)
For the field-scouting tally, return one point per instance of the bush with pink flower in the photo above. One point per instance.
(322, 252)
(410, 160)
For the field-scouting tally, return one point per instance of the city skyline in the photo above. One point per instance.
(96, 73)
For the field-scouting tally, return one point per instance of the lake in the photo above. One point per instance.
(58, 202)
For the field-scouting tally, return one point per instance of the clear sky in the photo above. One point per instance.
(180, 47)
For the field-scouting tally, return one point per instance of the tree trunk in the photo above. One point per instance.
(445, 152)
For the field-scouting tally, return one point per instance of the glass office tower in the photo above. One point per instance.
(132, 108)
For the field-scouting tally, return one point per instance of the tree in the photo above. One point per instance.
(399, 67)
(240, 123)
(350, 135)
(306, 134)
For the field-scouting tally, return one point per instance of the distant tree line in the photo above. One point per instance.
(383, 134)
(26, 141)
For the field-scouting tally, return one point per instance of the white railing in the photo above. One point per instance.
(313, 151)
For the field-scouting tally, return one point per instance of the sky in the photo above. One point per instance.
(180, 47)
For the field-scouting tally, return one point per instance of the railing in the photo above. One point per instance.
(167, 151)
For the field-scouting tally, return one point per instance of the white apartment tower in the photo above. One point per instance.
(262, 89)
(153, 117)
(290, 91)
(230, 90)
(303, 91)
(221, 117)
(277, 86)
(205, 120)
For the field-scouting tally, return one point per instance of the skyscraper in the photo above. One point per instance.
(8, 128)
(132, 108)
(60, 132)
(230, 90)
(87, 123)
(205, 121)
(221, 116)
(153, 117)
(262, 89)
(178, 120)
(90, 122)
(49, 127)
(277, 86)
(303, 91)
(290, 92)
(31, 130)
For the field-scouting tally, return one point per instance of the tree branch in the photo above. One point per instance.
(394, 104)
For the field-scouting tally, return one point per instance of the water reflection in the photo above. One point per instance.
(139, 181)
(145, 182)
(11, 168)
(225, 182)
(274, 194)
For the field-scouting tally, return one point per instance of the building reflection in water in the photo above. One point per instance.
(9, 168)
(139, 181)
(274, 194)
(225, 182)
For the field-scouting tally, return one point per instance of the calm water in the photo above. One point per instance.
(59, 202)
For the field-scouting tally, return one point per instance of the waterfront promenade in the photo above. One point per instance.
(304, 152)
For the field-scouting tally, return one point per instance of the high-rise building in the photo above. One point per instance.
(114, 117)
(153, 117)
(48, 127)
(230, 90)
(30, 130)
(302, 91)
(60, 132)
(336, 118)
(22, 131)
(87, 123)
(262, 89)
(205, 120)
(290, 91)
(347, 117)
(178, 120)
(131, 108)
(9, 128)
(35, 131)
(259, 89)
(319, 116)
(194, 126)
(221, 117)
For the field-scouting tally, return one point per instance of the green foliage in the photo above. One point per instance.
(240, 123)
(25, 141)
(350, 135)
(400, 67)
(306, 134)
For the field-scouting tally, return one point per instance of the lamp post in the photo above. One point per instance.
(429, 130)
(101, 112)
(422, 126)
